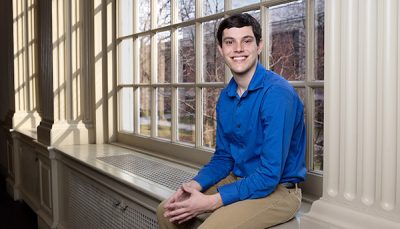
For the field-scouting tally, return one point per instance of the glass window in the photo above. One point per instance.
(164, 57)
(186, 114)
(210, 99)
(186, 9)
(186, 55)
(214, 67)
(164, 112)
(144, 22)
(212, 6)
(125, 61)
(125, 19)
(145, 59)
(126, 109)
(170, 75)
(318, 130)
(241, 3)
(164, 12)
(319, 39)
(145, 110)
(287, 35)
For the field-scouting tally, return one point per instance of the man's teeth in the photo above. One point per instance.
(239, 58)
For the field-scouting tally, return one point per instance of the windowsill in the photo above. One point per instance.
(89, 154)
(31, 133)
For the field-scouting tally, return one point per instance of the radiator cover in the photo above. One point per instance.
(153, 170)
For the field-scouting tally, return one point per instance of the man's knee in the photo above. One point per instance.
(160, 210)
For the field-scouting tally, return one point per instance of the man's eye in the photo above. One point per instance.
(248, 41)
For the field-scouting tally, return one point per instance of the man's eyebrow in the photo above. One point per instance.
(245, 37)
(248, 36)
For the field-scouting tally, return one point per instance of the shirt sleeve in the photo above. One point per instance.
(221, 162)
(278, 114)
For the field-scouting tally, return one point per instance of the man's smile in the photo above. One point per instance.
(239, 58)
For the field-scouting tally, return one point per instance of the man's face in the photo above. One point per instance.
(240, 51)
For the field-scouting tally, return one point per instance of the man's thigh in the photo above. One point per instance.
(278, 207)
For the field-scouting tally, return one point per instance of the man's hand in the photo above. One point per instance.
(181, 195)
(188, 202)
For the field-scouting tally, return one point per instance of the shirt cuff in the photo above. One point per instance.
(229, 193)
(203, 182)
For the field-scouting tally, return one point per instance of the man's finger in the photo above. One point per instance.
(176, 212)
(185, 219)
(180, 218)
(174, 198)
(187, 188)
(178, 205)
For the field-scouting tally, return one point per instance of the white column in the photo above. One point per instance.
(362, 115)
(67, 104)
(26, 115)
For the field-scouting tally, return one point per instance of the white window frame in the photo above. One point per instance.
(196, 155)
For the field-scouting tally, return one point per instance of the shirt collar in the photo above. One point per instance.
(256, 82)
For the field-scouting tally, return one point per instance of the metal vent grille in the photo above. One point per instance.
(90, 207)
(152, 170)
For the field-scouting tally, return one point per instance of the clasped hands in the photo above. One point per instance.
(188, 202)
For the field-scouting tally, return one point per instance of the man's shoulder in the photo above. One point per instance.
(273, 79)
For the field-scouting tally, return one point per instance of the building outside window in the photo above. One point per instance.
(170, 72)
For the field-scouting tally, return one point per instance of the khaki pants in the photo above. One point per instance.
(279, 207)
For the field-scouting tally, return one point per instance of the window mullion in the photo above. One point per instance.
(153, 70)
(309, 78)
(174, 72)
(154, 64)
(265, 32)
(199, 79)
(136, 91)
(227, 5)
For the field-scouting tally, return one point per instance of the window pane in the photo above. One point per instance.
(240, 3)
(186, 114)
(302, 94)
(319, 39)
(214, 67)
(126, 109)
(145, 111)
(164, 57)
(318, 139)
(125, 62)
(145, 59)
(125, 13)
(164, 112)
(287, 40)
(187, 55)
(186, 10)
(212, 6)
(144, 15)
(255, 14)
(164, 12)
(210, 99)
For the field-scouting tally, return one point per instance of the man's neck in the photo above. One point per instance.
(243, 81)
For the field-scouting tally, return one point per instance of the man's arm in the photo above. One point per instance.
(221, 163)
(278, 119)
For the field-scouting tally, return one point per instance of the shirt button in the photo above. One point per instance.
(238, 125)
(241, 145)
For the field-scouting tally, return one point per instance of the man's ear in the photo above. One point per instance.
(220, 50)
(260, 46)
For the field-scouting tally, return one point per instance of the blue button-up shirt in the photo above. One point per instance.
(260, 138)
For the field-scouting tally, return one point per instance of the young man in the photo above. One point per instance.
(251, 180)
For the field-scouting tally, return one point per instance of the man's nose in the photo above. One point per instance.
(239, 47)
